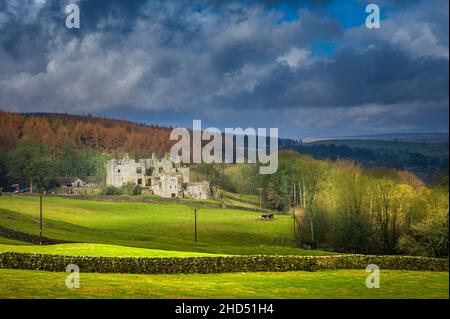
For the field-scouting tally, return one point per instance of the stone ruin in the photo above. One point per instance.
(161, 176)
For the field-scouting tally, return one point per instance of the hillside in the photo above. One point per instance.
(162, 226)
(427, 149)
(102, 134)
(393, 137)
(426, 160)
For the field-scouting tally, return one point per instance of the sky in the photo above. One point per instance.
(309, 68)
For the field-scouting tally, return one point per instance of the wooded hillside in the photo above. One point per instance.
(102, 134)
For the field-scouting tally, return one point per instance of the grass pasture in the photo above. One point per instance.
(159, 225)
(394, 284)
(97, 250)
(243, 200)
(8, 241)
(166, 229)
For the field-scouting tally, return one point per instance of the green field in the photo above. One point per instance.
(166, 229)
(321, 284)
(9, 241)
(160, 225)
(243, 200)
(97, 250)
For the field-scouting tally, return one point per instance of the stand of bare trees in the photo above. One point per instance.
(346, 208)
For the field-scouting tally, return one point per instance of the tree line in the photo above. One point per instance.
(32, 164)
(101, 134)
(341, 206)
(422, 165)
(38, 148)
(345, 207)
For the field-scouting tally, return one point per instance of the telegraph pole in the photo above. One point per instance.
(294, 203)
(40, 220)
(293, 210)
(195, 225)
(240, 186)
(260, 190)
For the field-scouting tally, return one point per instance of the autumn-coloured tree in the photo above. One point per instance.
(11, 129)
(101, 134)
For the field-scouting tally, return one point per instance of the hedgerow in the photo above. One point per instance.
(17, 235)
(204, 265)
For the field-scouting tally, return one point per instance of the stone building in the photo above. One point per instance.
(199, 190)
(161, 176)
(78, 182)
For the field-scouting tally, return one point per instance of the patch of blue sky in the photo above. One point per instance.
(289, 12)
(352, 13)
(349, 13)
(321, 48)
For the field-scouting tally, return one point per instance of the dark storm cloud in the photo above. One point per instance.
(217, 59)
(379, 75)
